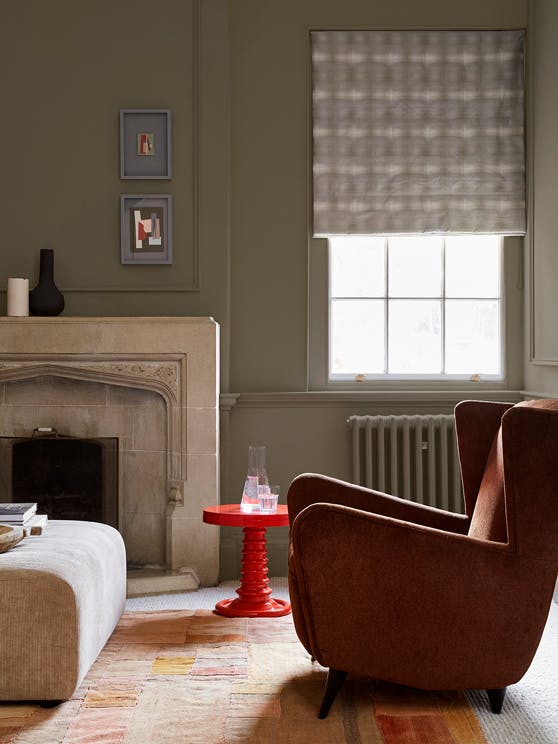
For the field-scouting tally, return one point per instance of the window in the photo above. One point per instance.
(418, 171)
(415, 307)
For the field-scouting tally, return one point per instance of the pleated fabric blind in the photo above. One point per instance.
(418, 132)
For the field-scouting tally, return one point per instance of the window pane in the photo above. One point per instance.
(357, 266)
(357, 337)
(472, 337)
(442, 317)
(415, 266)
(473, 266)
(415, 336)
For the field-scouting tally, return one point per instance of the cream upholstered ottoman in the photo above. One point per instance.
(61, 595)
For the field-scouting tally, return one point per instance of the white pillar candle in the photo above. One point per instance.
(18, 297)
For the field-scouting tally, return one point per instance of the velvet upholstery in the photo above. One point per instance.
(402, 592)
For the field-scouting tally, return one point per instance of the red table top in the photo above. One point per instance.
(229, 515)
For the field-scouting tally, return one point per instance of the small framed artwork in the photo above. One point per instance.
(146, 229)
(145, 143)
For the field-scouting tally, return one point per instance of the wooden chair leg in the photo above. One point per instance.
(333, 684)
(496, 699)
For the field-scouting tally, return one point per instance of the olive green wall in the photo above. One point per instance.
(541, 373)
(269, 158)
(68, 67)
(235, 75)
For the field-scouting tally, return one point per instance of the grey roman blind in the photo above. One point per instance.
(418, 131)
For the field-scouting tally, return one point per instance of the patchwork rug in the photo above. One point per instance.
(196, 677)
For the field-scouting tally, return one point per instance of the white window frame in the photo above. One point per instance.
(512, 332)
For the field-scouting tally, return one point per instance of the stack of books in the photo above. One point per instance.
(23, 515)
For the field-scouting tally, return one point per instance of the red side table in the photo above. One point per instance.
(254, 593)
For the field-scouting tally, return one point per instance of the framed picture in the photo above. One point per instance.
(146, 229)
(145, 143)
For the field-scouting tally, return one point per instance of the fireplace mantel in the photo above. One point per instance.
(175, 358)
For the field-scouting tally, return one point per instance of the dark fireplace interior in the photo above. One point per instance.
(69, 478)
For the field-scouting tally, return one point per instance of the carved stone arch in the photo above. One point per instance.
(159, 376)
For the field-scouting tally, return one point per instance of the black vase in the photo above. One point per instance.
(46, 298)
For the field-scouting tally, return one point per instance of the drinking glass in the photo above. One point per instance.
(268, 497)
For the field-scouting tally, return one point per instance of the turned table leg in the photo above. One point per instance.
(254, 593)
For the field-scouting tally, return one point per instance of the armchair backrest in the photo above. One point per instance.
(509, 461)
(530, 442)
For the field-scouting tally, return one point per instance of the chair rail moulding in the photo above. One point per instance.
(381, 398)
(536, 394)
(175, 358)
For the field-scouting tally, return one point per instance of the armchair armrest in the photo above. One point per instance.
(442, 609)
(311, 488)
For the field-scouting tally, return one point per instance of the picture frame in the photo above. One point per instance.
(145, 144)
(146, 229)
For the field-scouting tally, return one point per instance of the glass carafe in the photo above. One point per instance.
(255, 477)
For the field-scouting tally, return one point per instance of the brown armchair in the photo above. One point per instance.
(398, 591)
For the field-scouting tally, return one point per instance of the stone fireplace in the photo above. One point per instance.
(151, 383)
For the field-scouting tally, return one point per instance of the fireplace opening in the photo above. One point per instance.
(68, 477)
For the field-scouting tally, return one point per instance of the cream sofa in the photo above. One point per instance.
(61, 595)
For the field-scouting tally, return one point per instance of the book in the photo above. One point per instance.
(33, 525)
(13, 512)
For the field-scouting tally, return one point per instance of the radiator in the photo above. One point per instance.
(414, 457)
